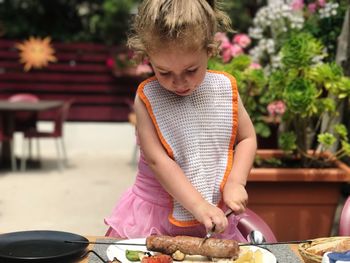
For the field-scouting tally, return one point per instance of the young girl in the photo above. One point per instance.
(197, 140)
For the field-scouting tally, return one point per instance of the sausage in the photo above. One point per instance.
(212, 247)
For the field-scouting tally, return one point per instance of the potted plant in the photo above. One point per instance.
(303, 95)
(299, 200)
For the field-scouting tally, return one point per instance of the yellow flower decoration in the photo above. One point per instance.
(36, 53)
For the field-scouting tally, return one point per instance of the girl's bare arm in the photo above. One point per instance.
(235, 195)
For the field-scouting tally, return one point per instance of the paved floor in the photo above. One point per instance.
(77, 199)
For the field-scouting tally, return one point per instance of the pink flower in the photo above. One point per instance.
(223, 39)
(242, 39)
(110, 62)
(321, 3)
(255, 65)
(297, 5)
(236, 50)
(276, 108)
(226, 55)
(230, 52)
(312, 7)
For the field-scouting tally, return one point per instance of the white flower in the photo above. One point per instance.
(270, 46)
(330, 9)
(255, 32)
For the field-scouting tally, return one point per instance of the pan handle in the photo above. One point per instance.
(97, 255)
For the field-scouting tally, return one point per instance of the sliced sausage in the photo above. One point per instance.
(212, 247)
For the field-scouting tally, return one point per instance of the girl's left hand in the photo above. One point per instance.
(235, 197)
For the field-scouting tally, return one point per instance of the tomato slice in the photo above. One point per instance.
(157, 259)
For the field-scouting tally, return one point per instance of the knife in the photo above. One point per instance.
(276, 243)
(141, 244)
(211, 232)
(103, 243)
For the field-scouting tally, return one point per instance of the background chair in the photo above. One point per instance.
(25, 120)
(60, 117)
(9, 138)
(344, 223)
(252, 222)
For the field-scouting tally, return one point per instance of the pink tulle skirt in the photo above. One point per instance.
(144, 208)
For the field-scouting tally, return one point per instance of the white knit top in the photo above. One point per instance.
(198, 131)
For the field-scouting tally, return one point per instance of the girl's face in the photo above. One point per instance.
(178, 70)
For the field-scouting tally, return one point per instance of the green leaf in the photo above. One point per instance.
(345, 147)
(287, 141)
(300, 96)
(342, 131)
(300, 50)
(326, 139)
(262, 129)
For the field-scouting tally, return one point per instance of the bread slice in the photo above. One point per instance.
(336, 245)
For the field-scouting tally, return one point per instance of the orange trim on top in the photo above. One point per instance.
(150, 111)
(234, 129)
(182, 223)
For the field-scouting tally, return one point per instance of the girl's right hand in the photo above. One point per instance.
(208, 215)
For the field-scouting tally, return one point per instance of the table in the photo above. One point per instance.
(7, 112)
(293, 247)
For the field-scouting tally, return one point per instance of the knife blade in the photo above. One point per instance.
(104, 243)
(276, 243)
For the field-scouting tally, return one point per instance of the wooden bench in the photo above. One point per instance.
(80, 74)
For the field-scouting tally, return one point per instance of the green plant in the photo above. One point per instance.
(273, 24)
(312, 92)
(104, 21)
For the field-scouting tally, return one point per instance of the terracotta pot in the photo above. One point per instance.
(296, 203)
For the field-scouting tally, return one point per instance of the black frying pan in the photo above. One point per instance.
(40, 246)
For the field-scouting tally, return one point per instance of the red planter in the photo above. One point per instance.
(296, 203)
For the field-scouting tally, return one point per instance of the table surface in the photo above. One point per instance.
(40, 105)
(293, 247)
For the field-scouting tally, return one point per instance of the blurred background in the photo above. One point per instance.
(97, 21)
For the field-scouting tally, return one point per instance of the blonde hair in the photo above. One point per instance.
(188, 23)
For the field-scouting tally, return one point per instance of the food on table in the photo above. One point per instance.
(157, 259)
(250, 257)
(134, 255)
(178, 255)
(336, 245)
(212, 247)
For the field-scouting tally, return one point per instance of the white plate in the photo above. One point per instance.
(115, 251)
